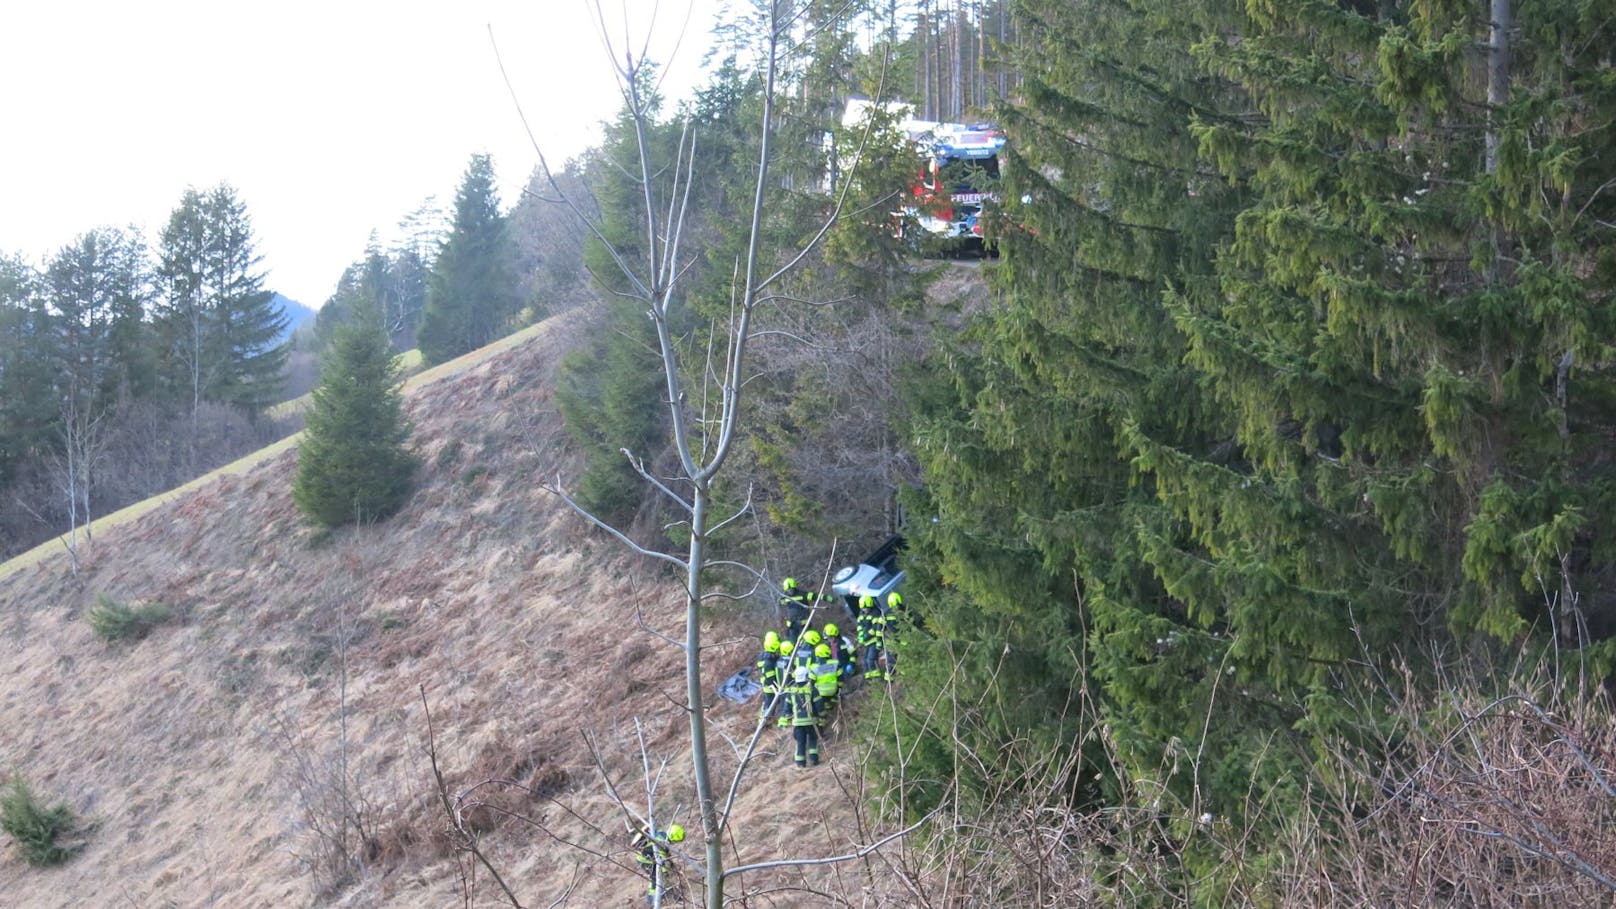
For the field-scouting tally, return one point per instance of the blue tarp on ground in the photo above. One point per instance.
(740, 687)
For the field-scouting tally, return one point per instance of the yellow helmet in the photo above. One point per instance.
(676, 833)
(786, 646)
(866, 602)
(831, 630)
(811, 637)
(822, 651)
(788, 584)
(894, 599)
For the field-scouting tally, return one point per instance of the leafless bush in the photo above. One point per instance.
(1484, 800)
(146, 450)
(830, 477)
(1022, 825)
(341, 822)
(1474, 799)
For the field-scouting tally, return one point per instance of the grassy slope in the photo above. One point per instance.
(185, 749)
(244, 464)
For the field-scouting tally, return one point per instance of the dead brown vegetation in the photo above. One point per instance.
(489, 594)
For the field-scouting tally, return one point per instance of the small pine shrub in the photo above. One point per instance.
(114, 620)
(36, 828)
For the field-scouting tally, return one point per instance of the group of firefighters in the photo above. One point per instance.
(804, 671)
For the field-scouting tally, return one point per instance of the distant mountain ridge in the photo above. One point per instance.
(296, 314)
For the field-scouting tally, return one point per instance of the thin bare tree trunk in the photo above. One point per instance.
(1503, 19)
(701, 457)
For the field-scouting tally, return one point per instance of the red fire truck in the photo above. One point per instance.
(943, 206)
(962, 165)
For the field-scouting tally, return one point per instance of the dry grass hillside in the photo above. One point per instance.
(197, 756)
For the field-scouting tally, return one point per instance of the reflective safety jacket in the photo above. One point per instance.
(797, 604)
(864, 626)
(650, 851)
(827, 676)
(880, 628)
(800, 705)
(768, 671)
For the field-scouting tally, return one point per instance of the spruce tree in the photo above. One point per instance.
(1040, 575)
(471, 293)
(218, 326)
(1294, 379)
(353, 464)
(27, 404)
(1412, 297)
(99, 286)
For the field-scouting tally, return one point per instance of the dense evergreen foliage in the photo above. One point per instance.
(214, 319)
(1046, 534)
(353, 464)
(1297, 381)
(1293, 399)
(471, 294)
(25, 399)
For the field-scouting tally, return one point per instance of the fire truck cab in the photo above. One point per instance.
(962, 163)
(943, 205)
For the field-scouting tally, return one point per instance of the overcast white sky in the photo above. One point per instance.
(331, 118)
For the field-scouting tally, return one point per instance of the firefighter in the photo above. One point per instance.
(804, 721)
(784, 664)
(895, 607)
(827, 676)
(870, 628)
(884, 639)
(891, 638)
(900, 614)
(768, 672)
(841, 648)
(804, 654)
(798, 604)
(653, 857)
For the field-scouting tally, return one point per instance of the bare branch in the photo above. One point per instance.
(743, 760)
(555, 489)
(639, 617)
(835, 859)
(639, 467)
(636, 821)
(544, 165)
(467, 842)
(739, 512)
